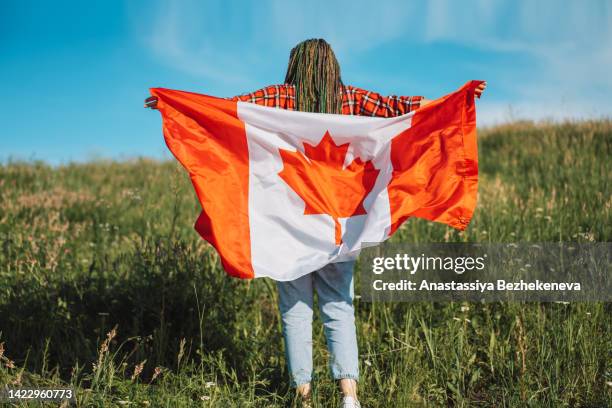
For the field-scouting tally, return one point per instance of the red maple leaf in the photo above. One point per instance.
(326, 186)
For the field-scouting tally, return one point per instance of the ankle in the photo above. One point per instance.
(304, 390)
(348, 387)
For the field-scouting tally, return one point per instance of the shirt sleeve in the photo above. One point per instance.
(358, 101)
(276, 96)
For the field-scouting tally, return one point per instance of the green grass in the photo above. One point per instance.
(85, 248)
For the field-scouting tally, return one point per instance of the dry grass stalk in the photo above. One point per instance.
(138, 370)
(104, 347)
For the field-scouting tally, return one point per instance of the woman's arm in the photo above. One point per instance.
(276, 96)
(361, 102)
(477, 93)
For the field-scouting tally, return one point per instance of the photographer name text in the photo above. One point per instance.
(475, 286)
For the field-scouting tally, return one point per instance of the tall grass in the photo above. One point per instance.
(105, 286)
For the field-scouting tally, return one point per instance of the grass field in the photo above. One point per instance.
(105, 286)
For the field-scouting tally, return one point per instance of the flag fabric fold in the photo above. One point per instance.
(283, 193)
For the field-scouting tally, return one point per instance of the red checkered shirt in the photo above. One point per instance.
(355, 101)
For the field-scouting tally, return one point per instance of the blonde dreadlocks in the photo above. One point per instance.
(314, 71)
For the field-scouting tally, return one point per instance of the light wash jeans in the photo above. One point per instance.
(335, 291)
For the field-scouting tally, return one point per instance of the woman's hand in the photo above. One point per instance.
(480, 89)
(151, 102)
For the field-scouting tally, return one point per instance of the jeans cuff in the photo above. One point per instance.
(345, 376)
(296, 382)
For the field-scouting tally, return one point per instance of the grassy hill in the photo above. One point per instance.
(105, 286)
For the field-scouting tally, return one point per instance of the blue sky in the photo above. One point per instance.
(74, 74)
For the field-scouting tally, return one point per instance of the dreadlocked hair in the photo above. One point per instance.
(314, 71)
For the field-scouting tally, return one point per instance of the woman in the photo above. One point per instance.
(313, 84)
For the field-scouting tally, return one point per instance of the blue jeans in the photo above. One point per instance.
(335, 291)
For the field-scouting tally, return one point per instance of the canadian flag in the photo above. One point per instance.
(283, 193)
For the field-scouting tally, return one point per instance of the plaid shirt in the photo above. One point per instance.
(355, 101)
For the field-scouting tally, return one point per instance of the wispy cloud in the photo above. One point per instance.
(201, 38)
(570, 44)
(180, 36)
(351, 26)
